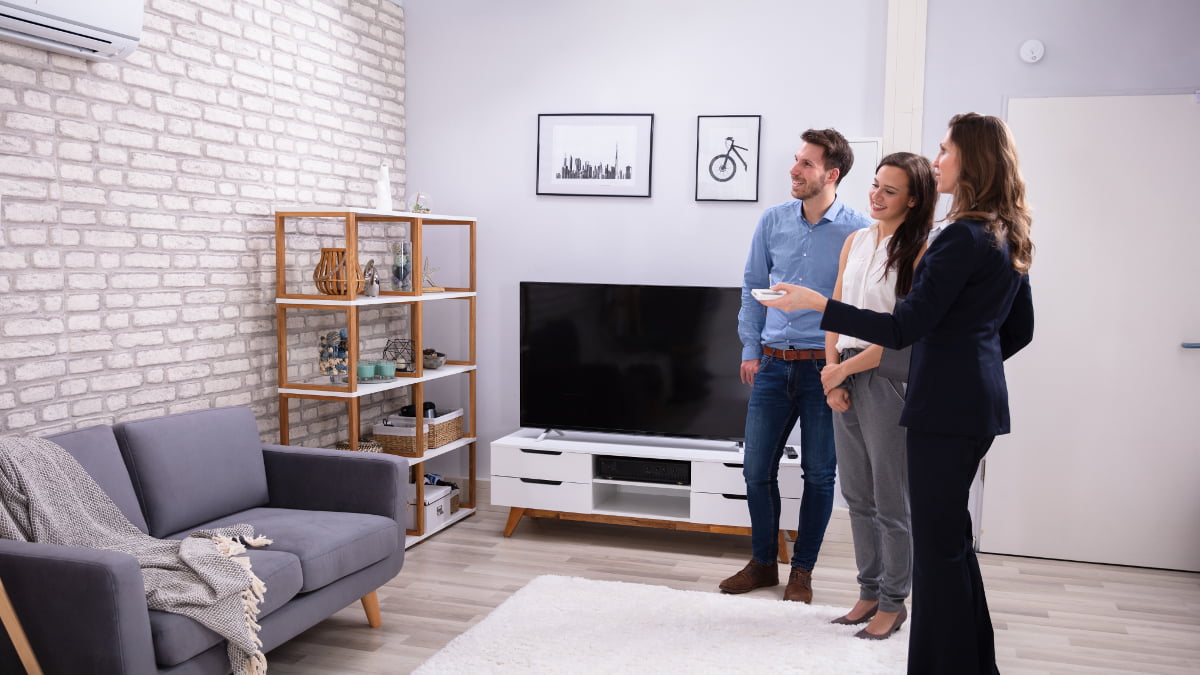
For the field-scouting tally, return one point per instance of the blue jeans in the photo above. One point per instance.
(784, 392)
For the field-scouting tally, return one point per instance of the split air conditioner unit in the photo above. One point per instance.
(91, 29)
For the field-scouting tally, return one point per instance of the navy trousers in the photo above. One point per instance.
(951, 626)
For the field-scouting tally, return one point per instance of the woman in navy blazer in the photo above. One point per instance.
(969, 309)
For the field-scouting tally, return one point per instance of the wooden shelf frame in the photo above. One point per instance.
(352, 391)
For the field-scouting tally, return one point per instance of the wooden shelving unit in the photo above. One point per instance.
(351, 391)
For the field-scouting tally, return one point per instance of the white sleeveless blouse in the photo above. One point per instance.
(864, 283)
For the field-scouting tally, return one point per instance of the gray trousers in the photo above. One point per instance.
(873, 465)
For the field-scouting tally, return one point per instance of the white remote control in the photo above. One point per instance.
(766, 293)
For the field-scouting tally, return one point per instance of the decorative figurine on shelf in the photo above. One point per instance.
(402, 266)
(421, 203)
(332, 360)
(427, 278)
(383, 189)
(370, 280)
(400, 351)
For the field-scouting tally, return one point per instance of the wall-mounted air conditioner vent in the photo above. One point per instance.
(86, 28)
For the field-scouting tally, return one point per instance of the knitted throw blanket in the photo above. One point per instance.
(47, 497)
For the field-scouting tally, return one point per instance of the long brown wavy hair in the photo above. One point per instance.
(990, 187)
(905, 245)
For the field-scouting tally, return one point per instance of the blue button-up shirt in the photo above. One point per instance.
(788, 248)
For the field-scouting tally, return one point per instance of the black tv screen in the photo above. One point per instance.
(632, 359)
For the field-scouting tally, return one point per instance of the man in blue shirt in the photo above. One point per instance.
(799, 242)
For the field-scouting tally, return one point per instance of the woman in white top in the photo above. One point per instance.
(876, 266)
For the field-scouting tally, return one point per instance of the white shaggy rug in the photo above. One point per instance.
(561, 624)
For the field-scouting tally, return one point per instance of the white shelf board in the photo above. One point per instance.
(658, 447)
(442, 450)
(411, 539)
(364, 301)
(368, 388)
(645, 505)
(294, 211)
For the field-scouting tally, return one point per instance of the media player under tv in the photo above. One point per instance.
(644, 469)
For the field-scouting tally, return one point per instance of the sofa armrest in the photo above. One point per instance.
(83, 610)
(335, 480)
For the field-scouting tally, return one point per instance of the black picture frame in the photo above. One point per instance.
(595, 154)
(723, 142)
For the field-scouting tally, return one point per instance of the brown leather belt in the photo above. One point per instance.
(795, 354)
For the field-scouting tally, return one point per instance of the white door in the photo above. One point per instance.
(1103, 463)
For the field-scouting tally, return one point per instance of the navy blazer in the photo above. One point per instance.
(968, 311)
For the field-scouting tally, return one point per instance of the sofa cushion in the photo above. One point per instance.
(329, 544)
(178, 638)
(95, 448)
(193, 467)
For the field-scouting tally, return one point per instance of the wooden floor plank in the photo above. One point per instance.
(1051, 617)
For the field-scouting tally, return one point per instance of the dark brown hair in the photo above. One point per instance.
(838, 154)
(905, 245)
(990, 187)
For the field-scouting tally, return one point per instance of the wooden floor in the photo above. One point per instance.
(1050, 616)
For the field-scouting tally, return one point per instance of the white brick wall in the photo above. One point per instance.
(137, 201)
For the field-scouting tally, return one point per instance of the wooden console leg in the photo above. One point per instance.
(370, 603)
(785, 553)
(514, 517)
(8, 616)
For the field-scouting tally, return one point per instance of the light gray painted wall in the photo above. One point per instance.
(480, 72)
(1093, 48)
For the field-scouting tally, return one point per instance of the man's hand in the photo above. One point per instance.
(749, 370)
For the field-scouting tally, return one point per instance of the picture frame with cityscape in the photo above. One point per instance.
(595, 154)
(727, 151)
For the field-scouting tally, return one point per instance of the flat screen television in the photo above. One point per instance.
(632, 359)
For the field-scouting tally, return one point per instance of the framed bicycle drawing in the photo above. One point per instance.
(727, 157)
(595, 155)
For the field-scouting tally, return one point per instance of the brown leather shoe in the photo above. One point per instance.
(753, 575)
(799, 588)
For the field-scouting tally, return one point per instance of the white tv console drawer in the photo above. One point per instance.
(534, 493)
(730, 509)
(722, 477)
(726, 478)
(538, 463)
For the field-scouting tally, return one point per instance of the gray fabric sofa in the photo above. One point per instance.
(336, 518)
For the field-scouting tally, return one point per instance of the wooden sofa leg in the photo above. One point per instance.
(8, 616)
(370, 603)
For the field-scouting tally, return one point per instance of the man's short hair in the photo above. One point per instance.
(838, 153)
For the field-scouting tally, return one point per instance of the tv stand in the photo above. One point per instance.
(542, 436)
(563, 478)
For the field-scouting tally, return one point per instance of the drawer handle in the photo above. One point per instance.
(734, 466)
(540, 481)
(741, 497)
(542, 452)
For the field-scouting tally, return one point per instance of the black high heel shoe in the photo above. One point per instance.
(895, 627)
(843, 621)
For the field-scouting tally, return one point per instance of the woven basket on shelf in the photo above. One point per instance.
(401, 439)
(364, 445)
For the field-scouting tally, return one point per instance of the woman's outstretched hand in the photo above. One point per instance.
(796, 298)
